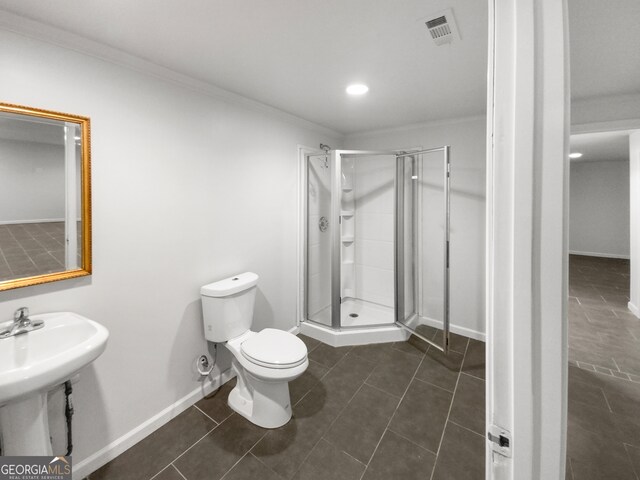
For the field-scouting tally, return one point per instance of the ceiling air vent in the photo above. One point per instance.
(442, 27)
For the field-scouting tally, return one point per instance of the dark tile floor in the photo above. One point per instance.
(405, 411)
(387, 411)
(29, 249)
(604, 372)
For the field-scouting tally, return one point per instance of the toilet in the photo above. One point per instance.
(265, 362)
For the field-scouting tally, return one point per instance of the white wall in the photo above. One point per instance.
(467, 140)
(634, 173)
(187, 189)
(605, 109)
(32, 181)
(599, 208)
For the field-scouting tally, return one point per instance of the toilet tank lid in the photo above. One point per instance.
(231, 285)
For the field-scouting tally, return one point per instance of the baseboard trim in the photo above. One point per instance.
(595, 254)
(295, 330)
(129, 439)
(37, 220)
(464, 331)
(635, 310)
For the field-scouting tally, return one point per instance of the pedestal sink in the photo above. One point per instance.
(33, 363)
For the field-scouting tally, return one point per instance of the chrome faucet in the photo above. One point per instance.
(21, 324)
(21, 318)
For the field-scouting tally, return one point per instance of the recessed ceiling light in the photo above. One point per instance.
(357, 89)
(575, 155)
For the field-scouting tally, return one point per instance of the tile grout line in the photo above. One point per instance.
(4, 258)
(239, 460)
(466, 428)
(25, 252)
(607, 317)
(246, 453)
(380, 390)
(46, 250)
(412, 442)
(214, 421)
(570, 467)
(616, 364)
(309, 391)
(606, 400)
(326, 373)
(178, 470)
(438, 386)
(364, 382)
(155, 475)
(583, 366)
(472, 376)
(453, 397)
(635, 471)
(264, 464)
(393, 414)
(349, 455)
(337, 416)
(329, 428)
(195, 443)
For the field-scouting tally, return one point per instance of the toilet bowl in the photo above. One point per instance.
(262, 391)
(264, 362)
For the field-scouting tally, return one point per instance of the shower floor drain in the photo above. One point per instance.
(353, 315)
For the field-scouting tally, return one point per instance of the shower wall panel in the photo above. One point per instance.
(374, 229)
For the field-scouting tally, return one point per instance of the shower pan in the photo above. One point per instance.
(376, 246)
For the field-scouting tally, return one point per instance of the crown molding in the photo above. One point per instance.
(46, 33)
(612, 126)
(620, 97)
(415, 126)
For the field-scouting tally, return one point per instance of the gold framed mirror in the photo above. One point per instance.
(45, 196)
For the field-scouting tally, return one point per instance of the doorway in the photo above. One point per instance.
(604, 336)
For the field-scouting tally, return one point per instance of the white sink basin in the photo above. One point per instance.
(44, 358)
(33, 363)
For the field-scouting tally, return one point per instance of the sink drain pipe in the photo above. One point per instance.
(68, 413)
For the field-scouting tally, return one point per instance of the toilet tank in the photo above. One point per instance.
(227, 306)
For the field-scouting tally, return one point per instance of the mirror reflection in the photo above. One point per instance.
(42, 165)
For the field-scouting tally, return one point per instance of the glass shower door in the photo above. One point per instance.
(422, 236)
(319, 227)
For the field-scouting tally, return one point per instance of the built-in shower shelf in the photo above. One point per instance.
(348, 262)
(347, 188)
(348, 239)
(347, 213)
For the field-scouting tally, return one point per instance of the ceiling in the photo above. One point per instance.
(605, 47)
(602, 146)
(299, 55)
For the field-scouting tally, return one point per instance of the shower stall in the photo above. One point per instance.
(376, 246)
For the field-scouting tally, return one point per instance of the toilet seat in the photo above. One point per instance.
(273, 348)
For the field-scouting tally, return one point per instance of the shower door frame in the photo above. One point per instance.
(335, 219)
(399, 247)
(303, 297)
